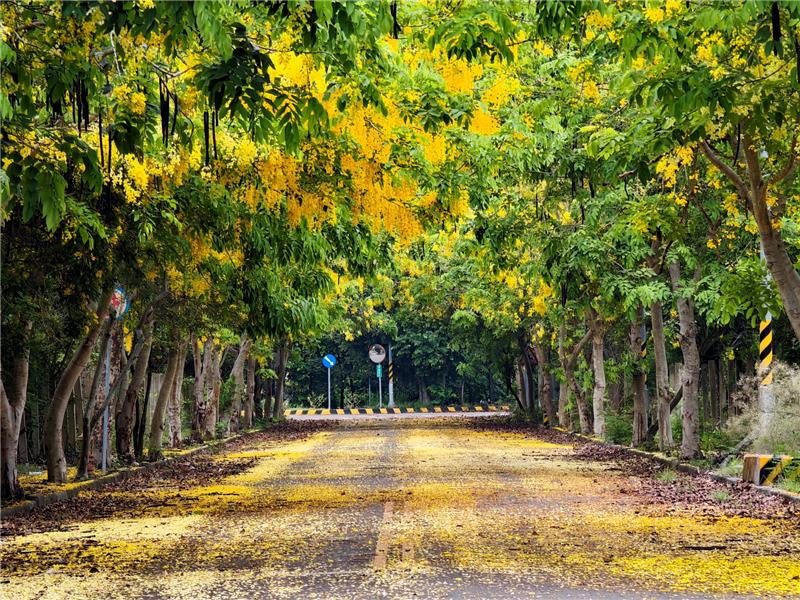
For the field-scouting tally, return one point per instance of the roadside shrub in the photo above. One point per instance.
(619, 428)
(782, 435)
(677, 428)
(714, 441)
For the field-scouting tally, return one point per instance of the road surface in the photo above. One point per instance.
(401, 508)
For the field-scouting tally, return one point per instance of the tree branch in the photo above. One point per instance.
(789, 167)
(726, 169)
(573, 357)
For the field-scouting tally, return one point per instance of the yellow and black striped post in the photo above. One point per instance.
(766, 396)
(765, 350)
(390, 373)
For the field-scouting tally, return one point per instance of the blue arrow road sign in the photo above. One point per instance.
(328, 361)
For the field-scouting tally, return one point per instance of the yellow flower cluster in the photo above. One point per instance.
(501, 90)
(459, 75)
(668, 165)
(483, 123)
(655, 14)
(543, 49)
(599, 21)
(138, 103)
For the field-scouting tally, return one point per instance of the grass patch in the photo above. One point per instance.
(721, 496)
(667, 476)
(790, 485)
(732, 469)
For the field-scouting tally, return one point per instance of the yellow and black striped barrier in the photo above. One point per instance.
(294, 412)
(764, 469)
(765, 350)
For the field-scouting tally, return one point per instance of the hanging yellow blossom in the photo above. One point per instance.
(138, 103)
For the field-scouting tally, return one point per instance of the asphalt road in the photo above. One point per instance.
(403, 508)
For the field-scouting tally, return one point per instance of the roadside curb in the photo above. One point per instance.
(119, 475)
(693, 470)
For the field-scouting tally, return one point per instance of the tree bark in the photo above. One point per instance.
(176, 402)
(12, 411)
(690, 373)
(53, 436)
(200, 404)
(639, 403)
(140, 425)
(598, 365)
(522, 392)
(568, 362)
(545, 383)
(249, 406)
(663, 395)
(127, 408)
(90, 407)
(157, 425)
(424, 397)
(282, 361)
(214, 391)
(239, 388)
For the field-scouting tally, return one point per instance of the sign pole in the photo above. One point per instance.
(380, 388)
(329, 361)
(106, 390)
(390, 375)
(120, 303)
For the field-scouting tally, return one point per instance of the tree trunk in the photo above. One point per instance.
(522, 392)
(140, 425)
(90, 407)
(127, 409)
(639, 404)
(258, 407)
(598, 365)
(200, 402)
(157, 425)
(545, 383)
(424, 397)
(530, 376)
(53, 436)
(249, 406)
(214, 390)
(690, 374)
(176, 402)
(282, 361)
(563, 388)
(12, 411)
(239, 388)
(663, 395)
(568, 362)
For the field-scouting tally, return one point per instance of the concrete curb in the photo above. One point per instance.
(27, 506)
(675, 464)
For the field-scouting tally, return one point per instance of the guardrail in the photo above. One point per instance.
(394, 411)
